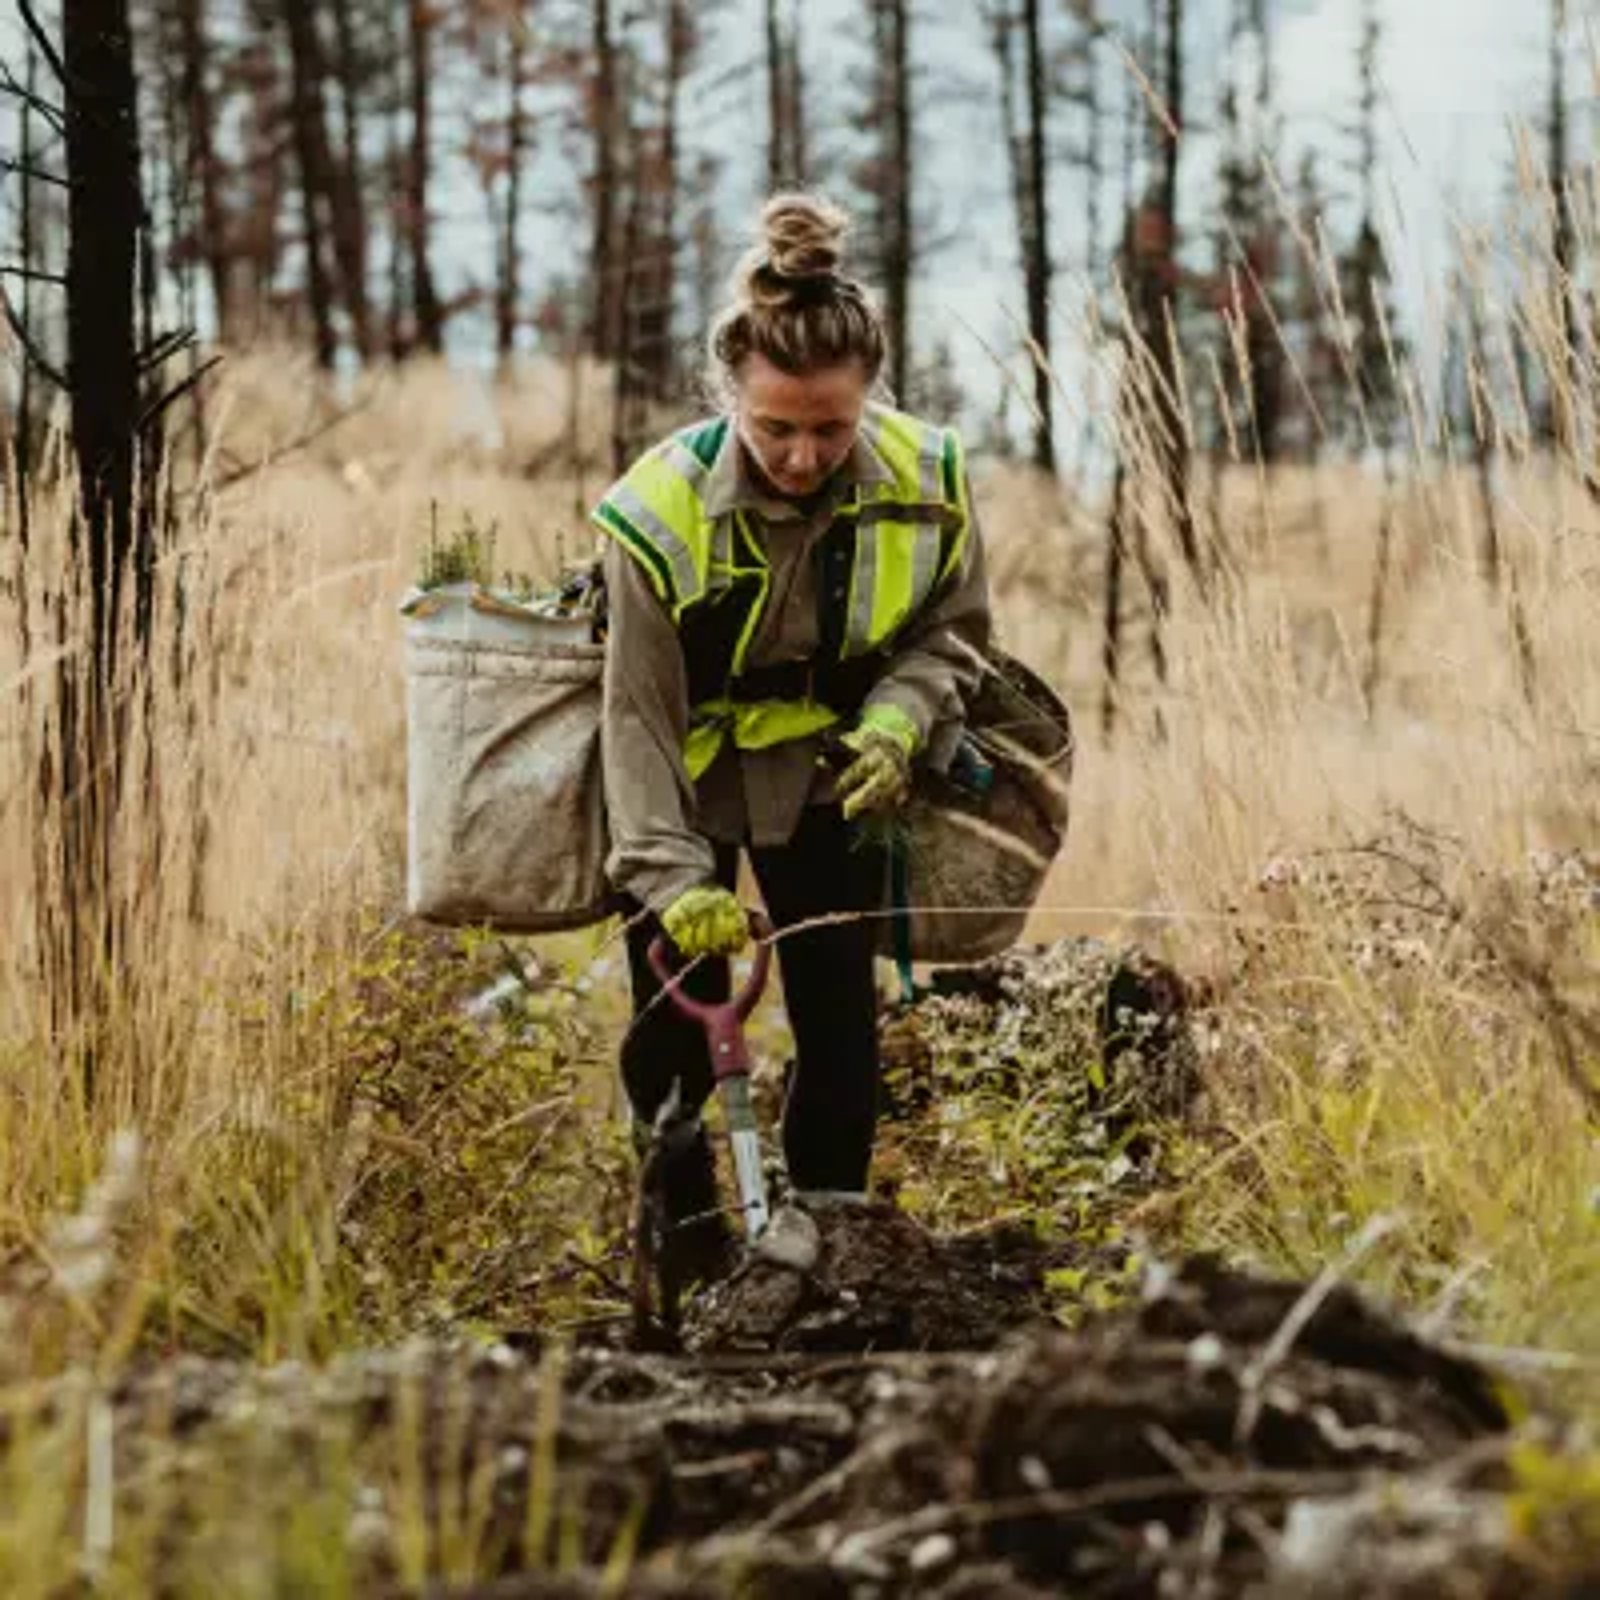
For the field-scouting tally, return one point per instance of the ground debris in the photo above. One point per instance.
(880, 1282)
(1181, 1445)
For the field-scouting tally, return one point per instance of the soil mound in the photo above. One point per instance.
(880, 1282)
(1228, 1436)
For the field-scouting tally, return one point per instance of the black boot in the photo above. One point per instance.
(692, 1241)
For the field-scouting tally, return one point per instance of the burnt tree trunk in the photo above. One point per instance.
(259, 241)
(799, 156)
(1111, 624)
(779, 162)
(1036, 242)
(311, 157)
(508, 282)
(113, 539)
(606, 269)
(1161, 282)
(397, 178)
(205, 171)
(428, 312)
(894, 177)
(350, 228)
(22, 440)
(655, 286)
(1566, 365)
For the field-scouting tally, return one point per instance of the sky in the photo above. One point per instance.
(1456, 75)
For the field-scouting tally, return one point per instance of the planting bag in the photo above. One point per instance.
(505, 800)
(971, 851)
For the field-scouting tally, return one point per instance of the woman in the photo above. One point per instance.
(796, 579)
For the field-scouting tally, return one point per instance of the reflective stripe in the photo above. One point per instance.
(684, 461)
(721, 566)
(930, 465)
(685, 574)
(924, 563)
(858, 629)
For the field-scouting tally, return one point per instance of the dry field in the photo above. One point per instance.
(1369, 870)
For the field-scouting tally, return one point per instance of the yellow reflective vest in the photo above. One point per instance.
(891, 547)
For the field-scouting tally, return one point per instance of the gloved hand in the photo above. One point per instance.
(707, 921)
(879, 779)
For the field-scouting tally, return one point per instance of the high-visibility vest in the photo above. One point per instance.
(889, 549)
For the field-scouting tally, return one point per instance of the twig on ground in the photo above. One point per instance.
(1272, 1355)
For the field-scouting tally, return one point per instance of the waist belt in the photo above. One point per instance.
(842, 686)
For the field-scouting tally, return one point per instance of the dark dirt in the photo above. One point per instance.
(881, 1282)
(1160, 1450)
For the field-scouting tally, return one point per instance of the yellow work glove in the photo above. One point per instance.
(708, 921)
(879, 779)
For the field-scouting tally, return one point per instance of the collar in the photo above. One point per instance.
(731, 483)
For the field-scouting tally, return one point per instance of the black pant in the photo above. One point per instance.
(828, 986)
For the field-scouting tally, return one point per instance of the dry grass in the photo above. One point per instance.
(246, 1051)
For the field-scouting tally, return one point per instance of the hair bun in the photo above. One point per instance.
(804, 236)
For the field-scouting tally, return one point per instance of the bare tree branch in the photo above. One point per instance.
(29, 349)
(156, 408)
(26, 169)
(164, 347)
(10, 269)
(42, 39)
(53, 114)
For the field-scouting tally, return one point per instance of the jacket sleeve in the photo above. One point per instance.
(655, 851)
(937, 660)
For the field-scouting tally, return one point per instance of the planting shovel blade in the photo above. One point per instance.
(746, 1142)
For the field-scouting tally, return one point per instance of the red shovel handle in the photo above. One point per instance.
(737, 1008)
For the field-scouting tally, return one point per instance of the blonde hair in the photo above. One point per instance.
(791, 303)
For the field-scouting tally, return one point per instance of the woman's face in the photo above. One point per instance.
(798, 428)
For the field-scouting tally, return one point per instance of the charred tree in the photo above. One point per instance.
(1036, 241)
(350, 227)
(397, 178)
(655, 182)
(1121, 511)
(312, 159)
(427, 312)
(1565, 368)
(508, 279)
(112, 546)
(257, 243)
(779, 163)
(786, 134)
(606, 267)
(799, 144)
(23, 423)
(891, 176)
(1156, 283)
(1371, 349)
(1247, 243)
(204, 162)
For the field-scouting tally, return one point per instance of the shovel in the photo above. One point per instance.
(730, 1065)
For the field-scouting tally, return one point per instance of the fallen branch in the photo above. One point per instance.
(1272, 1355)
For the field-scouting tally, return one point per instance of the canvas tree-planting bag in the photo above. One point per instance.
(505, 799)
(971, 851)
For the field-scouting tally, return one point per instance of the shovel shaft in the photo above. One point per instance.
(730, 1065)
